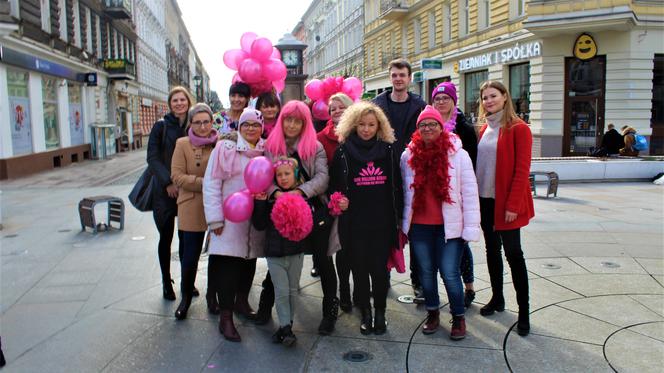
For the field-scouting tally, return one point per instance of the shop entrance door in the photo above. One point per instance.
(584, 105)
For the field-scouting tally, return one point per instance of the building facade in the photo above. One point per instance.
(566, 90)
(333, 31)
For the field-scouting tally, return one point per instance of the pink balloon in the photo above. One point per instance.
(320, 110)
(260, 87)
(329, 88)
(274, 69)
(279, 85)
(250, 71)
(353, 87)
(238, 207)
(233, 58)
(236, 78)
(275, 53)
(258, 174)
(261, 49)
(314, 89)
(246, 40)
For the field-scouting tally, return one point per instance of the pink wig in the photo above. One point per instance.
(307, 143)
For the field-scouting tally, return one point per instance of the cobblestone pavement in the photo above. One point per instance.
(72, 301)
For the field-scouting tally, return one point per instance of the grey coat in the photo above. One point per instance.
(316, 168)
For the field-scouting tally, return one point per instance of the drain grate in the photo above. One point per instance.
(610, 265)
(550, 266)
(357, 356)
(407, 299)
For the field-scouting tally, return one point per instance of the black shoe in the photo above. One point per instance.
(523, 325)
(380, 324)
(3, 362)
(284, 335)
(195, 293)
(367, 321)
(169, 293)
(263, 315)
(330, 313)
(212, 303)
(468, 297)
(314, 272)
(418, 294)
(181, 312)
(493, 306)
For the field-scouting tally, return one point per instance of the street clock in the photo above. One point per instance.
(291, 54)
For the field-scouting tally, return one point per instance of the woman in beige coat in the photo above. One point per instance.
(190, 160)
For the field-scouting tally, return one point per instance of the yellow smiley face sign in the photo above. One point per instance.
(585, 47)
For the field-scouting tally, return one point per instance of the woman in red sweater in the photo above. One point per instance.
(506, 203)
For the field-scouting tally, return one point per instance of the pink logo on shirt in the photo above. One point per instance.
(370, 175)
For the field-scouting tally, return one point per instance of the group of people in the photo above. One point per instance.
(400, 170)
(617, 143)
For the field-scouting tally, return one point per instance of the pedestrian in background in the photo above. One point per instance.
(269, 105)
(337, 105)
(629, 141)
(444, 99)
(190, 160)
(402, 108)
(441, 213)
(234, 247)
(506, 202)
(366, 171)
(612, 141)
(239, 94)
(161, 145)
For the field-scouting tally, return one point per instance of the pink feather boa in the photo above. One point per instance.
(333, 205)
(292, 217)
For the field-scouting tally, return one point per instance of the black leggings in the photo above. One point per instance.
(369, 252)
(165, 222)
(343, 270)
(510, 240)
(229, 276)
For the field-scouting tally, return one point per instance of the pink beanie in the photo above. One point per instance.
(251, 114)
(447, 88)
(430, 113)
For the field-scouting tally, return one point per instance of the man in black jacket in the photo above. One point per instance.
(402, 109)
(612, 141)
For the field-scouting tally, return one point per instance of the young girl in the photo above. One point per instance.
(268, 103)
(284, 257)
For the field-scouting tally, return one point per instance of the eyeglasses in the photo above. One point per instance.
(200, 123)
(442, 98)
(427, 125)
(251, 125)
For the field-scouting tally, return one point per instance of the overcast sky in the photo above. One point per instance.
(216, 26)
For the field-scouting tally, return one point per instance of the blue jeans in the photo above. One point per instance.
(434, 254)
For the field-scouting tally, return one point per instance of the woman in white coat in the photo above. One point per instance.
(441, 211)
(234, 247)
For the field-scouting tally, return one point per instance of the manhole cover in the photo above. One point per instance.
(550, 266)
(11, 235)
(408, 299)
(138, 238)
(610, 265)
(64, 230)
(357, 356)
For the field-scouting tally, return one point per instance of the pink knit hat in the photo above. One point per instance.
(447, 88)
(430, 113)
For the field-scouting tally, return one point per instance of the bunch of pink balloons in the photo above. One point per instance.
(320, 91)
(258, 64)
(258, 176)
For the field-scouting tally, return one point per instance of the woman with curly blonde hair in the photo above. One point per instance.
(366, 170)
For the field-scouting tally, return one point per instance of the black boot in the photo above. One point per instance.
(167, 285)
(523, 325)
(367, 321)
(2, 355)
(265, 302)
(345, 302)
(330, 313)
(380, 324)
(187, 289)
(497, 303)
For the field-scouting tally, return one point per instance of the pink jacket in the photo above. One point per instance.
(237, 239)
(461, 218)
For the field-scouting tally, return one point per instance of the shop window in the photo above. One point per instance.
(76, 126)
(19, 104)
(472, 83)
(50, 97)
(520, 90)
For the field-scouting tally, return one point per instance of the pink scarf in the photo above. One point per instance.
(198, 141)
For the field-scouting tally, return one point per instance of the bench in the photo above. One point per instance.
(86, 212)
(551, 182)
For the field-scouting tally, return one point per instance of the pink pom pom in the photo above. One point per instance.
(333, 205)
(292, 217)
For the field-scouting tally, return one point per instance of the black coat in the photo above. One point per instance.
(340, 179)
(275, 244)
(612, 141)
(468, 137)
(160, 152)
(402, 131)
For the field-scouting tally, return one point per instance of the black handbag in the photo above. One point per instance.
(321, 214)
(141, 194)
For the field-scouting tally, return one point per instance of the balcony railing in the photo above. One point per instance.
(120, 69)
(118, 9)
(393, 9)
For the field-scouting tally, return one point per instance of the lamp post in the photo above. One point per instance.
(197, 84)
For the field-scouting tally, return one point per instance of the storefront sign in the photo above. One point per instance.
(503, 56)
(114, 64)
(75, 123)
(432, 63)
(585, 47)
(29, 62)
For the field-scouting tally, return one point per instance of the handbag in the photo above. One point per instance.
(141, 194)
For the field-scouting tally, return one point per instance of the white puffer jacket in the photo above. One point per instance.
(461, 218)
